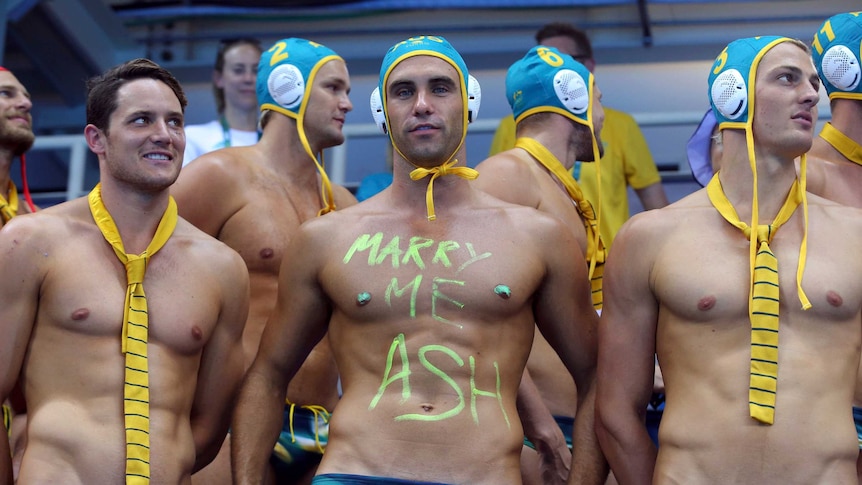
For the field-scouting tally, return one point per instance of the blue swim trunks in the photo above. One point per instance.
(345, 479)
(302, 441)
(567, 426)
(857, 417)
(654, 412)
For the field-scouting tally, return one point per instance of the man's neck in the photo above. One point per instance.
(136, 214)
(6, 159)
(283, 149)
(448, 190)
(556, 140)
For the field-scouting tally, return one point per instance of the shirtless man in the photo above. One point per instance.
(62, 315)
(834, 161)
(16, 137)
(254, 198)
(553, 131)
(429, 292)
(679, 282)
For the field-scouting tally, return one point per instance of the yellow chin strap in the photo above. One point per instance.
(447, 168)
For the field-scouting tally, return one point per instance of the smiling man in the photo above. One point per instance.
(121, 384)
(16, 137)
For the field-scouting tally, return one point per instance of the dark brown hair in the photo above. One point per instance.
(558, 29)
(102, 90)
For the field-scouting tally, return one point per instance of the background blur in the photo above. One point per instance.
(652, 60)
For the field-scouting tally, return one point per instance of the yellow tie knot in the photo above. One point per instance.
(764, 233)
(136, 267)
(447, 168)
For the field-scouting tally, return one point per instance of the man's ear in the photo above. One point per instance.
(95, 139)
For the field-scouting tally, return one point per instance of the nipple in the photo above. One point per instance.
(706, 303)
(80, 314)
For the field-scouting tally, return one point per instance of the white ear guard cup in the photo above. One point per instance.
(841, 68)
(286, 85)
(729, 94)
(474, 98)
(572, 91)
(377, 113)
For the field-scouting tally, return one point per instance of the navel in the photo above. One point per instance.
(197, 333)
(427, 407)
(706, 303)
(80, 314)
(267, 253)
(834, 299)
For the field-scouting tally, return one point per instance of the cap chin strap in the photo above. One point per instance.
(447, 168)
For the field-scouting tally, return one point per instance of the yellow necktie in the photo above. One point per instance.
(596, 251)
(9, 209)
(136, 391)
(445, 169)
(763, 305)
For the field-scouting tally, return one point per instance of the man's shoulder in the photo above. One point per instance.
(508, 160)
(198, 245)
(226, 166)
(692, 209)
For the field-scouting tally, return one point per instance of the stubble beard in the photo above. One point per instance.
(16, 139)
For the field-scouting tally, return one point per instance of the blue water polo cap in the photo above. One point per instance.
(731, 79)
(545, 80)
(836, 49)
(286, 72)
(424, 45)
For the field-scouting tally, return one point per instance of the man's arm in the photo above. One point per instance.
(627, 341)
(652, 196)
(542, 430)
(298, 322)
(564, 314)
(19, 298)
(221, 368)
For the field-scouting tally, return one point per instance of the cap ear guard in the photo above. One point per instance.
(474, 98)
(286, 85)
(841, 68)
(729, 94)
(572, 91)
(377, 113)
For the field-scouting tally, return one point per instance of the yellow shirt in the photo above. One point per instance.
(626, 161)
